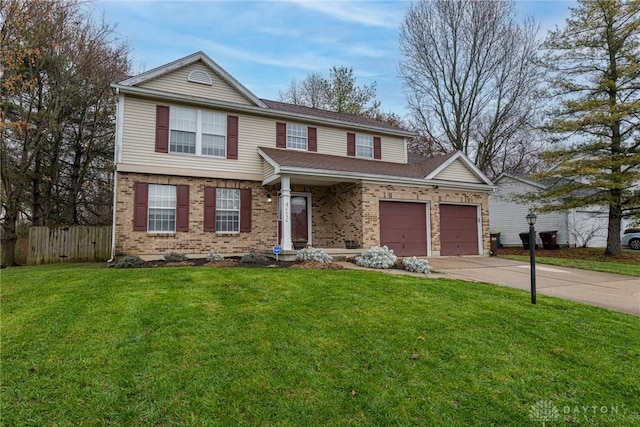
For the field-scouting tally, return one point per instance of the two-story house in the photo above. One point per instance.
(202, 164)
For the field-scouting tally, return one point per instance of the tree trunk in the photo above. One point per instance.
(37, 210)
(9, 238)
(615, 223)
(75, 185)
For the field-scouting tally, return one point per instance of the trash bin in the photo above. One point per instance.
(549, 239)
(495, 243)
(525, 240)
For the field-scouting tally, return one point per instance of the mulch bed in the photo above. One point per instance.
(589, 254)
(236, 262)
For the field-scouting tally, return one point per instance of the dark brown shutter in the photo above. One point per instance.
(377, 148)
(209, 208)
(140, 202)
(245, 210)
(232, 137)
(162, 129)
(312, 134)
(281, 135)
(351, 144)
(182, 208)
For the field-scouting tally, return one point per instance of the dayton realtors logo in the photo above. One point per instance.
(544, 411)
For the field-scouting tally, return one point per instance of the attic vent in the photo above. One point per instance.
(198, 76)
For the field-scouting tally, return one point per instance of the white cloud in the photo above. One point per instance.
(367, 13)
(308, 61)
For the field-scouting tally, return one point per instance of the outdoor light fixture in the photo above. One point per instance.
(269, 197)
(531, 220)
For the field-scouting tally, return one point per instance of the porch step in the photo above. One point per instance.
(338, 254)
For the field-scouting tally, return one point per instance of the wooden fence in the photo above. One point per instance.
(69, 243)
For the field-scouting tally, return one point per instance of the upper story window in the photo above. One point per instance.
(198, 132)
(364, 146)
(297, 137)
(162, 208)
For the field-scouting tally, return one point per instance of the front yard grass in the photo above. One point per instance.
(83, 345)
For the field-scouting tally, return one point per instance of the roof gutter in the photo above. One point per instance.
(385, 179)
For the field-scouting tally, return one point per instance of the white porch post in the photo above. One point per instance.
(285, 195)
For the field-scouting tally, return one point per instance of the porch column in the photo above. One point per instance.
(285, 196)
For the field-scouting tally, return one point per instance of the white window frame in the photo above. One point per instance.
(219, 197)
(364, 141)
(299, 132)
(165, 201)
(199, 131)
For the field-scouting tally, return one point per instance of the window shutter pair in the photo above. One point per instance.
(281, 137)
(351, 146)
(162, 132)
(141, 207)
(210, 209)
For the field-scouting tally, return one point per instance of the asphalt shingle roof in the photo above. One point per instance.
(325, 114)
(308, 160)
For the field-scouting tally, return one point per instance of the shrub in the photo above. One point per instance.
(214, 256)
(416, 265)
(254, 258)
(313, 254)
(130, 261)
(377, 257)
(175, 257)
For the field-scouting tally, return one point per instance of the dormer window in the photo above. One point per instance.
(297, 137)
(199, 76)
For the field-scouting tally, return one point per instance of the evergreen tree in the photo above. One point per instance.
(595, 65)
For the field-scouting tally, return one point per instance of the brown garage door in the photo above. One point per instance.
(403, 228)
(458, 230)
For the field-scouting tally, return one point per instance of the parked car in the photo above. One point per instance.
(631, 238)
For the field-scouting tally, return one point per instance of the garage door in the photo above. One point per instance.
(458, 230)
(403, 228)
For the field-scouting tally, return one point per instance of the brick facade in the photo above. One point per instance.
(196, 240)
(372, 194)
(345, 211)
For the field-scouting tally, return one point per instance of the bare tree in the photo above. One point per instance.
(57, 114)
(472, 81)
(339, 92)
(309, 92)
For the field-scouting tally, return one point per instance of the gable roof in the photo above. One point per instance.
(521, 179)
(459, 156)
(188, 60)
(280, 110)
(293, 161)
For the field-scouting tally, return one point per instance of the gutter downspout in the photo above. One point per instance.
(115, 181)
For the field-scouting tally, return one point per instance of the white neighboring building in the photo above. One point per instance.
(575, 227)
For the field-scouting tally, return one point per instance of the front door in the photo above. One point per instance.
(299, 218)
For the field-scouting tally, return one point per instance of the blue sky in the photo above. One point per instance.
(266, 44)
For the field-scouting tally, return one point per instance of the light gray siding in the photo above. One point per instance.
(508, 216)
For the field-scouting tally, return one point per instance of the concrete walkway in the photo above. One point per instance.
(613, 291)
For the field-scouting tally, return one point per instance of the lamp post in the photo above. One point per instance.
(531, 220)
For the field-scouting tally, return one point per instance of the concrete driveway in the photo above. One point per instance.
(614, 291)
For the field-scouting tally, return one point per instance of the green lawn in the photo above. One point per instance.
(584, 264)
(82, 345)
